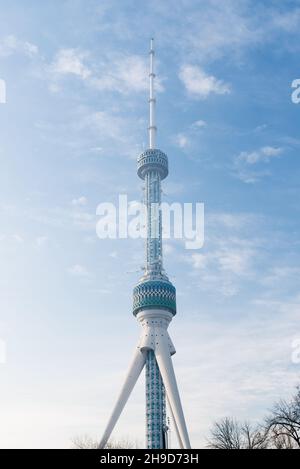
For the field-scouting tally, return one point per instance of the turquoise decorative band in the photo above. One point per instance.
(153, 160)
(153, 294)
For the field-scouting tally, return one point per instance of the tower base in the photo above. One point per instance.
(155, 348)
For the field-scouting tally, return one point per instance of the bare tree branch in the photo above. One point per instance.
(230, 434)
(86, 442)
(284, 422)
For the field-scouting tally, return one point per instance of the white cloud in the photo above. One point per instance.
(109, 125)
(72, 217)
(231, 221)
(84, 220)
(281, 277)
(188, 137)
(201, 85)
(106, 127)
(199, 124)
(113, 255)
(199, 261)
(78, 270)
(211, 29)
(229, 254)
(122, 73)
(251, 177)
(81, 201)
(239, 252)
(269, 152)
(11, 44)
(245, 162)
(70, 61)
(235, 260)
(222, 28)
(182, 140)
(96, 149)
(264, 154)
(229, 258)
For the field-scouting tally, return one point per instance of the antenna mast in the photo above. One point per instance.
(152, 100)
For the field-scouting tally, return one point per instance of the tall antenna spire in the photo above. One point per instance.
(152, 100)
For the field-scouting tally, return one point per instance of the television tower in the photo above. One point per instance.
(154, 306)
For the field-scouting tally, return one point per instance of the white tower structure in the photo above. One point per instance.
(154, 305)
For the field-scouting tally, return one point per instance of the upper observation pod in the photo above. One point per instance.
(153, 160)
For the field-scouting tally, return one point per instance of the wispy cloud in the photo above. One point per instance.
(182, 140)
(189, 136)
(81, 201)
(107, 127)
(122, 73)
(247, 361)
(10, 45)
(229, 255)
(288, 21)
(224, 267)
(75, 217)
(199, 124)
(79, 270)
(234, 29)
(199, 84)
(264, 154)
(211, 30)
(70, 62)
(282, 277)
(248, 165)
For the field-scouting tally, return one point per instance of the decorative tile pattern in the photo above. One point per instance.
(154, 294)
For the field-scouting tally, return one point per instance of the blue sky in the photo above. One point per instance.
(73, 125)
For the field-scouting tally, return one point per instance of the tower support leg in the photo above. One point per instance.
(163, 357)
(133, 374)
(176, 428)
